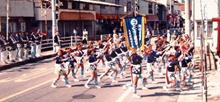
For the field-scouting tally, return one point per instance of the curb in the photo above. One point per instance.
(8, 66)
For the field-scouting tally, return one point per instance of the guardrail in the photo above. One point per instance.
(47, 44)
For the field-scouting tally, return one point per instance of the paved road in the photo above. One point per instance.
(31, 82)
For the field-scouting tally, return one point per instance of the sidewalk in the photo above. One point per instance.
(44, 55)
(195, 94)
(213, 86)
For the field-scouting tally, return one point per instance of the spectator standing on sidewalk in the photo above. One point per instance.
(25, 40)
(85, 36)
(38, 38)
(115, 36)
(57, 42)
(148, 36)
(33, 45)
(19, 52)
(3, 49)
(12, 47)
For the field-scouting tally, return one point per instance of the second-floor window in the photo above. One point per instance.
(65, 5)
(150, 8)
(210, 27)
(85, 6)
(76, 5)
(129, 6)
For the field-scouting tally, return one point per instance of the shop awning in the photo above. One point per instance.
(217, 19)
(98, 3)
(152, 18)
(108, 16)
(76, 15)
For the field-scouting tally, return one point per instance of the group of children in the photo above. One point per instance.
(172, 58)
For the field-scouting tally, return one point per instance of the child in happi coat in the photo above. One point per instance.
(92, 59)
(60, 69)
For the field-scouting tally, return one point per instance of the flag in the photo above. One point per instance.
(134, 31)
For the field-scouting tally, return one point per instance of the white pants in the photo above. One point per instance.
(38, 50)
(19, 52)
(26, 53)
(33, 50)
(4, 55)
(56, 47)
(12, 55)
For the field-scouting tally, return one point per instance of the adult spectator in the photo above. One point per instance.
(85, 36)
(12, 47)
(57, 42)
(3, 50)
(33, 45)
(25, 40)
(19, 51)
(38, 38)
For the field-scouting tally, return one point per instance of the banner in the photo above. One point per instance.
(134, 29)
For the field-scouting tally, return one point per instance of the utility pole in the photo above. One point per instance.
(194, 21)
(170, 6)
(136, 8)
(7, 19)
(187, 17)
(53, 2)
(203, 54)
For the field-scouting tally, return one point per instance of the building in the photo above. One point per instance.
(155, 14)
(109, 18)
(71, 15)
(98, 17)
(202, 12)
(21, 15)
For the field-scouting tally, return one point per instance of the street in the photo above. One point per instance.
(32, 82)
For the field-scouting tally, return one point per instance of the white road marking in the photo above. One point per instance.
(124, 95)
(23, 91)
(33, 77)
(25, 77)
(5, 80)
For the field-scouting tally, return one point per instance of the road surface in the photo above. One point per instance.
(31, 83)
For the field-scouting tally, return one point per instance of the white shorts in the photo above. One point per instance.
(111, 65)
(150, 67)
(184, 71)
(92, 67)
(79, 60)
(60, 69)
(171, 76)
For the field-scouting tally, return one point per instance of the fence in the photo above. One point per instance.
(47, 44)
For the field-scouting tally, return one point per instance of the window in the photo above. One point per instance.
(22, 26)
(129, 6)
(150, 8)
(76, 5)
(69, 5)
(86, 6)
(199, 29)
(45, 4)
(64, 6)
(209, 30)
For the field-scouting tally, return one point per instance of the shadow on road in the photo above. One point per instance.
(161, 94)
